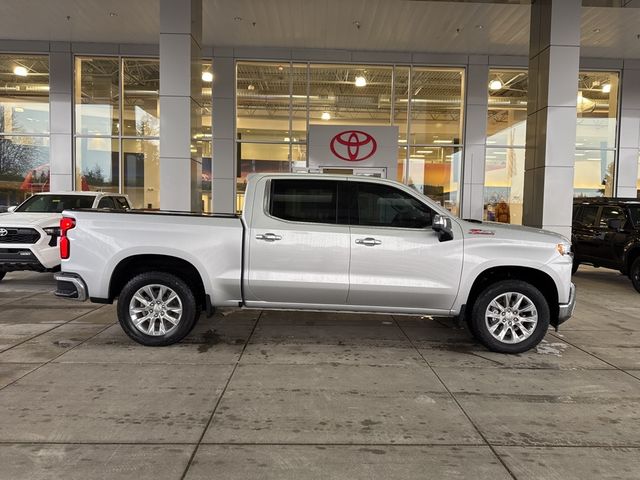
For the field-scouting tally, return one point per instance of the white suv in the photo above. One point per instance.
(29, 232)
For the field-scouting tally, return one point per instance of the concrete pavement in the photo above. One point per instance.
(286, 395)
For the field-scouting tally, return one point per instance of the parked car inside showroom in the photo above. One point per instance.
(29, 232)
(606, 233)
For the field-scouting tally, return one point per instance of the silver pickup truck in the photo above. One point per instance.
(319, 242)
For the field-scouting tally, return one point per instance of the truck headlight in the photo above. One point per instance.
(564, 249)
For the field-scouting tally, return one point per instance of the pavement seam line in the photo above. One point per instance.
(57, 325)
(58, 356)
(615, 367)
(453, 397)
(217, 404)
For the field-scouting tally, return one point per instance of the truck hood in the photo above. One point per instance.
(21, 219)
(510, 232)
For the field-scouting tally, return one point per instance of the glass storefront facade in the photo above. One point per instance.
(117, 128)
(24, 127)
(596, 140)
(277, 101)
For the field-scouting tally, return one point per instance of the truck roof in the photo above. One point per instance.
(85, 193)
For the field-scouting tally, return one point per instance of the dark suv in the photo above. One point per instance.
(606, 233)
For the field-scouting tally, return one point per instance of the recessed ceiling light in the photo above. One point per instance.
(20, 71)
(606, 88)
(280, 68)
(360, 81)
(251, 87)
(325, 116)
(207, 77)
(495, 84)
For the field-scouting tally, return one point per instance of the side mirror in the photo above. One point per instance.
(12, 209)
(442, 225)
(615, 224)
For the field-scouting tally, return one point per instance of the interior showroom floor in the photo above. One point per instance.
(278, 395)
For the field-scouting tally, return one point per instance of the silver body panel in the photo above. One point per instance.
(313, 266)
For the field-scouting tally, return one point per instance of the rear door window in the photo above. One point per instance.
(313, 201)
(610, 213)
(121, 203)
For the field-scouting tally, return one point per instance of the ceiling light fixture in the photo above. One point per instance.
(113, 14)
(443, 141)
(251, 87)
(495, 84)
(360, 81)
(325, 116)
(606, 88)
(20, 71)
(207, 77)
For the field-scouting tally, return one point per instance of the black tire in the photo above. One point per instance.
(480, 329)
(187, 302)
(2, 274)
(634, 274)
(574, 267)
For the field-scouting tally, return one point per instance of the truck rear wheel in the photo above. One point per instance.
(510, 316)
(157, 309)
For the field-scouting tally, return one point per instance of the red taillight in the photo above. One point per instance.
(66, 224)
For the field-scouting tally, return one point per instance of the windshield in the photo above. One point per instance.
(55, 203)
(635, 214)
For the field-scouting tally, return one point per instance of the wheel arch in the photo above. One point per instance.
(134, 265)
(539, 279)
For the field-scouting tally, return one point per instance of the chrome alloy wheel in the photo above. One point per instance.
(155, 310)
(511, 317)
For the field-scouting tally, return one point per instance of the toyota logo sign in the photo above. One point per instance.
(353, 145)
(4, 232)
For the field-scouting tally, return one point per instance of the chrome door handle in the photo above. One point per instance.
(268, 237)
(369, 241)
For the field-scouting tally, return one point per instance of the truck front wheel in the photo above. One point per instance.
(157, 309)
(634, 274)
(510, 316)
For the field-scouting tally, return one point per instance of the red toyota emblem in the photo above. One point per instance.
(353, 145)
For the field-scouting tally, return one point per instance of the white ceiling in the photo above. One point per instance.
(392, 25)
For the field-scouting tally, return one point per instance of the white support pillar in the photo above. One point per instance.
(180, 104)
(629, 144)
(475, 137)
(554, 57)
(60, 112)
(224, 142)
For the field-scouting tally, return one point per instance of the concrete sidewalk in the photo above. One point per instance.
(278, 395)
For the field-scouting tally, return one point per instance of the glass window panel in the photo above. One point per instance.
(24, 168)
(612, 213)
(97, 95)
(263, 98)
(299, 103)
(142, 172)
(141, 84)
(207, 92)
(97, 164)
(402, 159)
(504, 184)
(436, 106)
(594, 173)
(507, 113)
(435, 171)
(401, 94)
(24, 94)
(597, 110)
(260, 158)
(587, 215)
(304, 200)
(333, 91)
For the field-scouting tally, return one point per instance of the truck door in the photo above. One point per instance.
(614, 240)
(397, 260)
(298, 249)
(585, 233)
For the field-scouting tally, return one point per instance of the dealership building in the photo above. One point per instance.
(501, 110)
